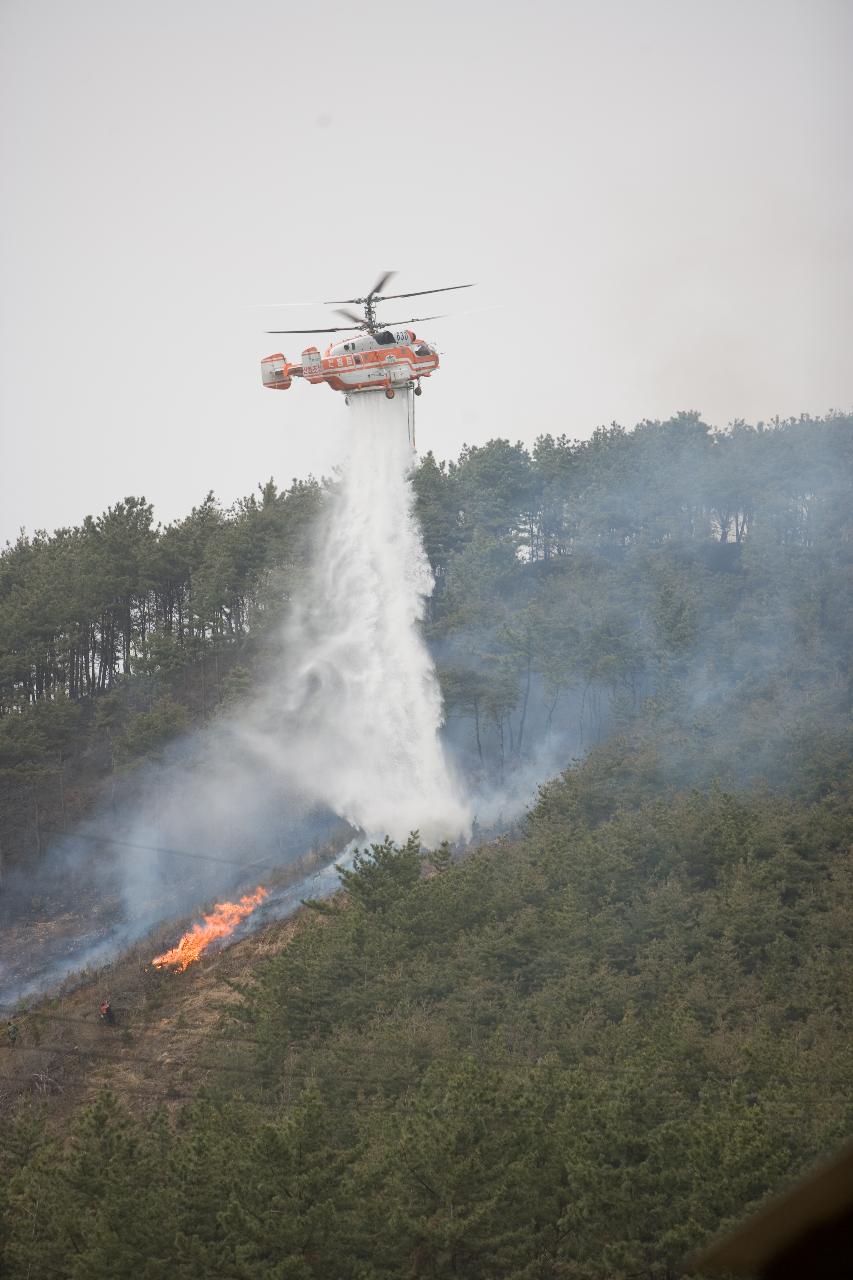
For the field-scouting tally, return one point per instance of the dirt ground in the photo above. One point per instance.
(173, 1032)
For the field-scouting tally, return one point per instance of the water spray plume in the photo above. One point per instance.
(221, 923)
(356, 717)
(346, 722)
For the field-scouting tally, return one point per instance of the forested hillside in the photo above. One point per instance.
(583, 1048)
(696, 578)
(577, 1054)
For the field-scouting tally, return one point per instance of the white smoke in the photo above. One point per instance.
(347, 720)
(354, 719)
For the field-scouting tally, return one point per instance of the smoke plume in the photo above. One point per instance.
(347, 724)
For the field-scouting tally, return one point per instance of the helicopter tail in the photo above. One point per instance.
(277, 373)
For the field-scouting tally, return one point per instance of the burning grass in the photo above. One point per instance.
(219, 924)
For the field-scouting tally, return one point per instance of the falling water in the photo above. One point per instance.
(358, 708)
(348, 720)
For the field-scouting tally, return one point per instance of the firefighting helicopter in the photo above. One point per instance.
(381, 356)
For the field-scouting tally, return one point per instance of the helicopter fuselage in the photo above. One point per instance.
(378, 361)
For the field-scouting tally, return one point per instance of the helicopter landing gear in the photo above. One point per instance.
(389, 392)
(419, 390)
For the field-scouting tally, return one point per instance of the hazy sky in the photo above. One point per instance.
(656, 196)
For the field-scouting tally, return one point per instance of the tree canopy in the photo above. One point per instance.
(579, 1050)
(703, 572)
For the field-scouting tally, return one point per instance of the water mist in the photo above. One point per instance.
(356, 715)
(346, 723)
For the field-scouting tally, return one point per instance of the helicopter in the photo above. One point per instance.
(379, 356)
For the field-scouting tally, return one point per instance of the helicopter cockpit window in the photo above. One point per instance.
(385, 339)
(423, 350)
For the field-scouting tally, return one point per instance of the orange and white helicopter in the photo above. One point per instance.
(378, 357)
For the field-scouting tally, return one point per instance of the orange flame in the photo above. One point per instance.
(221, 922)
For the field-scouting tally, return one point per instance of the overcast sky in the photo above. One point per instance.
(656, 196)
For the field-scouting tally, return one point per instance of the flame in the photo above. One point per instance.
(221, 923)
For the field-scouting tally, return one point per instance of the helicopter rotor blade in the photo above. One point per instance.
(350, 315)
(344, 328)
(420, 292)
(376, 292)
(446, 315)
(384, 324)
(381, 282)
(387, 324)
